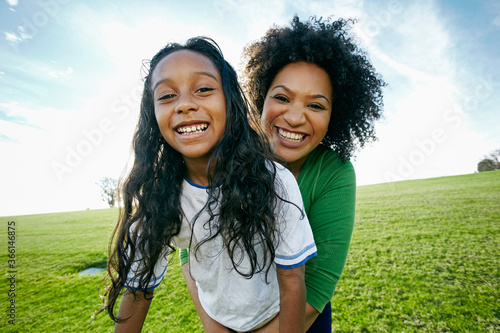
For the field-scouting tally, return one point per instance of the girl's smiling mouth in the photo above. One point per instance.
(192, 129)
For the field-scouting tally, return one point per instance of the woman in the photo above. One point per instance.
(319, 97)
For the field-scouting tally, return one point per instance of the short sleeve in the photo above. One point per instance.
(296, 244)
(160, 268)
(158, 274)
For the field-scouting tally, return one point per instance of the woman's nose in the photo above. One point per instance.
(294, 116)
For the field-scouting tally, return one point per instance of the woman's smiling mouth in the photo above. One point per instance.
(290, 136)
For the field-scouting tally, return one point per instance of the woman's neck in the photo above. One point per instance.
(296, 166)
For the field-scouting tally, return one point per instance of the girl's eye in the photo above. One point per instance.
(316, 106)
(204, 89)
(281, 98)
(166, 96)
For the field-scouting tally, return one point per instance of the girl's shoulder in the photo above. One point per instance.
(283, 174)
(285, 183)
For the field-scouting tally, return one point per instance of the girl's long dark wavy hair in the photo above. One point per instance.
(241, 179)
(357, 88)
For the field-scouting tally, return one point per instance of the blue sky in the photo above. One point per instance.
(70, 81)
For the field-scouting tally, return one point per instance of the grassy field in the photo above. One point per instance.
(424, 258)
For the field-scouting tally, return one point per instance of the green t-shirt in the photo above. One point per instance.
(328, 189)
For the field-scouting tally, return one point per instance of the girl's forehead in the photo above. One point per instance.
(195, 61)
(183, 65)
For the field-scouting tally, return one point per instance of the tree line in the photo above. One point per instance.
(109, 185)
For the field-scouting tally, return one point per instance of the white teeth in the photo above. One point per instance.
(290, 136)
(192, 129)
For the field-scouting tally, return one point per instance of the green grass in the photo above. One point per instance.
(424, 258)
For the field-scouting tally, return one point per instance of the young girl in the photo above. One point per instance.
(203, 179)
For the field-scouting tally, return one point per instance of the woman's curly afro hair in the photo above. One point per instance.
(357, 88)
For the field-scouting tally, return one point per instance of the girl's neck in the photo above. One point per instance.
(196, 171)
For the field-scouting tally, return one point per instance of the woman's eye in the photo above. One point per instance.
(281, 98)
(316, 106)
(166, 96)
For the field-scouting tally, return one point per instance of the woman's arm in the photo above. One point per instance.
(273, 325)
(330, 202)
(311, 315)
(209, 325)
(134, 309)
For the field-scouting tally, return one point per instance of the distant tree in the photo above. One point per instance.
(487, 165)
(108, 187)
(495, 156)
(490, 162)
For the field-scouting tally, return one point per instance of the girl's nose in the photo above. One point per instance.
(185, 104)
(294, 116)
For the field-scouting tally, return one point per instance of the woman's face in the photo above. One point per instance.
(297, 110)
(189, 103)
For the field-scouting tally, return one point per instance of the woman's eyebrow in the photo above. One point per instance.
(320, 96)
(282, 87)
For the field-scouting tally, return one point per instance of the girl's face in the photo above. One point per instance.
(297, 109)
(189, 103)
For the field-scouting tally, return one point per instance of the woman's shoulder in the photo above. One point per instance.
(324, 175)
(326, 163)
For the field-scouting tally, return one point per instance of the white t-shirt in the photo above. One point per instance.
(228, 297)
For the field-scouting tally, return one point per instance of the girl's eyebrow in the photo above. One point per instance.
(291, 92)
(160, 82)
(198, 73)
(208, 74)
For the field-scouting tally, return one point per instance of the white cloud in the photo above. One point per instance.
(35, 68)
(16, 38)
(22, 34)
(59, 73)
(426, 132)
(39, 121)
(10, 37)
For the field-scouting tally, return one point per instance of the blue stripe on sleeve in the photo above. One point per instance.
(295, 256)
(155, 279)
(298, 264)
